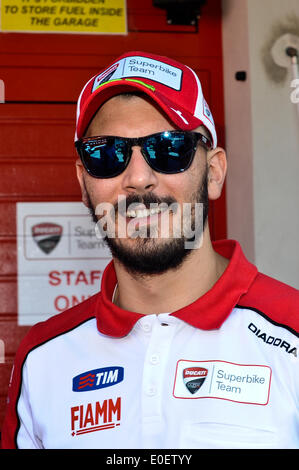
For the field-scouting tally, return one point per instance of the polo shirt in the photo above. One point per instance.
(221, 372)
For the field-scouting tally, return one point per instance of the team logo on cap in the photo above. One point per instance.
(47, 236)
(207, 112)
(104, 76)
(194, 378)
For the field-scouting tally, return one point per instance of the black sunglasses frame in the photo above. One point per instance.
(197, 138)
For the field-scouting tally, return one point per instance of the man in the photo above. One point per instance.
(187, 345)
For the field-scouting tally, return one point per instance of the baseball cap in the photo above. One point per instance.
(173, 86)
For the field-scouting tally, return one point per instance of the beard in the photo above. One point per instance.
(147, 255)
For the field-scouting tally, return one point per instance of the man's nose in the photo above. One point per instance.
(139, 176)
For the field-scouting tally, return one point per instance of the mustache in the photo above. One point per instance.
(147, 200)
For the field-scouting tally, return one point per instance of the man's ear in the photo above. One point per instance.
(80, 176)
(217, 168)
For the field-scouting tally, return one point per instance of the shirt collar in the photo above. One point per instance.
(207, 313)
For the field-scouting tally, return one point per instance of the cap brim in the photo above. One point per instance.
(179, 117)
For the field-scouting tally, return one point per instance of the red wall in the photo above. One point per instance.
(43, 75)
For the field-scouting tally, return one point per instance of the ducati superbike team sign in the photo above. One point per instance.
(61, 258)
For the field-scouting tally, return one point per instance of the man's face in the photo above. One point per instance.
(153, 251)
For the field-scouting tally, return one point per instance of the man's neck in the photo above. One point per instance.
(174, 289)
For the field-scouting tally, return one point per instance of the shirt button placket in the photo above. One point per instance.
(154, 377)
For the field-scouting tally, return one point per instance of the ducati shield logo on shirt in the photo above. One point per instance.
(46, 235)
(194, 377)
(241, 383)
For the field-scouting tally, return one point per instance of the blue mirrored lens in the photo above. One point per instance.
(104, 158)
(169, 152)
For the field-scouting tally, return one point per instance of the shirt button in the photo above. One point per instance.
(154, 359)
(151, 391)
(146, 327)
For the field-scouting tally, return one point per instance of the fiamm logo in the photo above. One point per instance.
(98, 378)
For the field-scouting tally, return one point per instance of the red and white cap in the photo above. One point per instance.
(173, 86)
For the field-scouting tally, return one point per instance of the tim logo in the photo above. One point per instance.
(47, 236)
(194, 378)
(98, 378)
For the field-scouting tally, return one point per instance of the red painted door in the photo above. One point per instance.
(43, 75)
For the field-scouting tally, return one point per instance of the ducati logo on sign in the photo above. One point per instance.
(194, 378)
(47, 236)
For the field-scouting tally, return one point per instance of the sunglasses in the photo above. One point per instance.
(166, 152)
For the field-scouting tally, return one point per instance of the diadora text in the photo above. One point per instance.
(272, 340)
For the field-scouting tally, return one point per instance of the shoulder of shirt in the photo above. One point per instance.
(274, 300)
(59, 324)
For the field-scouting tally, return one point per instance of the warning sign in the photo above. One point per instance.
(64, 16)
(61, 258)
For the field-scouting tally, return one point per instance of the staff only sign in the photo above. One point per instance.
(60, 258)
(64, 16)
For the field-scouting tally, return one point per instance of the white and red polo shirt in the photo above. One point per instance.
(221, 372)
